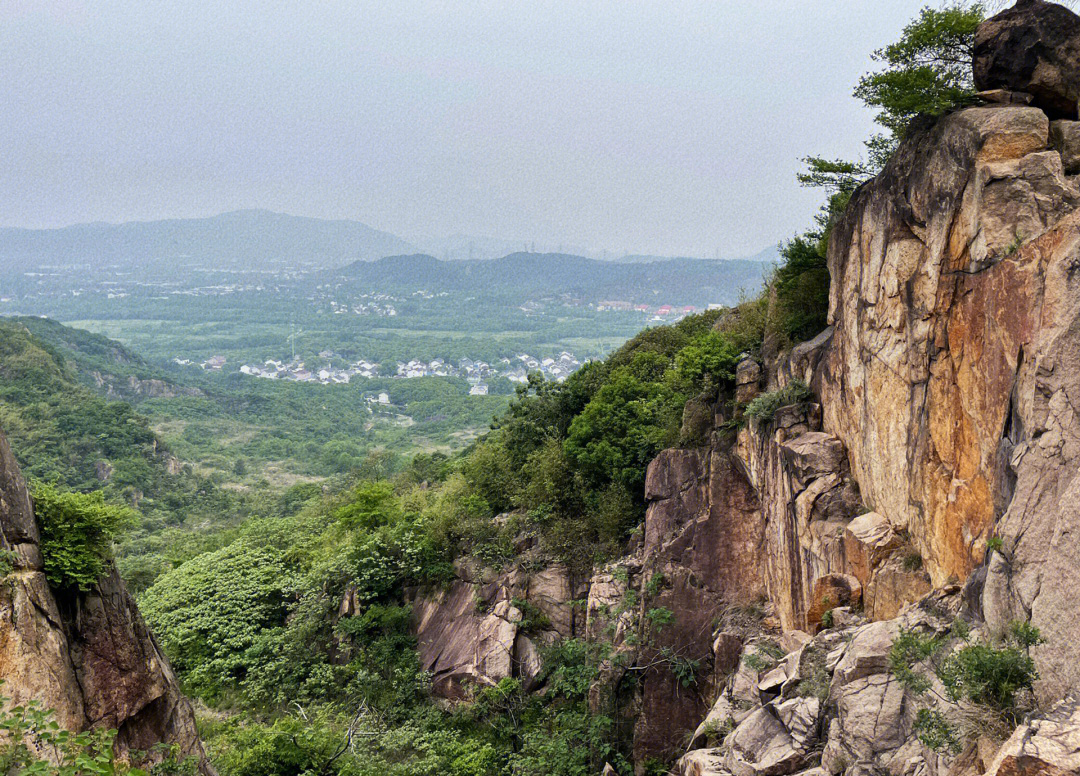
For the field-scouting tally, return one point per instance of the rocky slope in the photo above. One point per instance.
(87, 656)
(946, 414)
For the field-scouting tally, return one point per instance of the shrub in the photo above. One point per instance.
(933, 730)
(764, 407)
(77, 532)
(983, 674)
(660, 616)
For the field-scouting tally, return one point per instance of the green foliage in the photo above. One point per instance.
(211, 611)
(994, 544)
(33, 743)
(533, 620)
(818, 679)
(77, 533)
(989, 676)
(659, 616)
(655, 583)
(927, 71)
(909, 649)
(764, 407)
(933, 729)
(993, 676)
(682, 668)
(759, 661)
(913, 561)
(627, 422)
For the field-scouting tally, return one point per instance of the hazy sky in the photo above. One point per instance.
(664, 127)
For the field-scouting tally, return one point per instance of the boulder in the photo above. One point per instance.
(894, 585)
(702, 762)
(868, 540)
(774, 740)
(747, 380)
(1033, 47)
(1047, 745)
(1065, 138)
(830, 591)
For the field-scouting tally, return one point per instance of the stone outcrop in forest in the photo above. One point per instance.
(87, 656)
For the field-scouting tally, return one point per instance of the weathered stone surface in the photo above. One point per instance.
(1065, 138)
(892, 587)
(551, 590)
(1048, 745)
(773, 741)
(748, 376)
(830, 591)
(702, 762)
(1033, 47)
(868, 541)
(676, 487)
(1005, 97)
(935, 305)
(807, 496)
(89, 656)
(465, 635)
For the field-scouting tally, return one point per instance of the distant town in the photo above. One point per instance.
(516, 369)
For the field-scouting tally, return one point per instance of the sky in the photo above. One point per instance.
(669, 127)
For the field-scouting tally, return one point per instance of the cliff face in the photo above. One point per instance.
(945, 413)
(87, 656)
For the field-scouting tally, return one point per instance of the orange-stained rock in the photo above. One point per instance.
(868, 541)
(892, 587)
(830, 591)
(933, 307)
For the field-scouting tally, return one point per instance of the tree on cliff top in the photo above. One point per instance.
(927, 72)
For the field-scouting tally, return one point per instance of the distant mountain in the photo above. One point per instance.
(466, 246)
(769, 254)
(525, 275)
(240, 239)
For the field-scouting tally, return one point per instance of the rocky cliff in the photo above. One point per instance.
(87, 656)
(931, 474)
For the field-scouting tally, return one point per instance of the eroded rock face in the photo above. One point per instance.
(88, 656)
(474, 631)
(1033, 47)
(937, 301)
(808, 497)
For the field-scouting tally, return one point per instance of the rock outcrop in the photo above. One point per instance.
(932, 470)
(485, 627)
(1033, 47)
(87, 656)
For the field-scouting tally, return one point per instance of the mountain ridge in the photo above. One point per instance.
(231, 239)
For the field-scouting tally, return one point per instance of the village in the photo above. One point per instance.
(515, 368)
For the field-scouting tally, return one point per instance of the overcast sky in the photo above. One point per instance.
(669, 127)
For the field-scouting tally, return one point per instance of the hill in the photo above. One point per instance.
(523, 275)
(240, 239)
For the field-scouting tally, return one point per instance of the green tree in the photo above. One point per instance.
(77, 532)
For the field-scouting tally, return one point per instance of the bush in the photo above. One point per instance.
(77, 532)
(993, 677)
(764, 407)
(988, 676)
